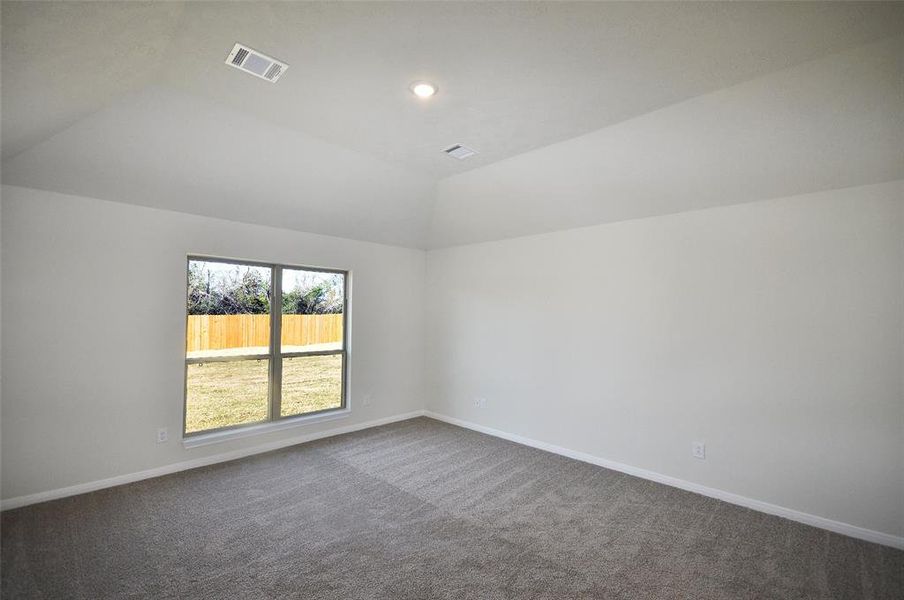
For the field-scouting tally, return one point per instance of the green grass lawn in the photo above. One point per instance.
(221, 394)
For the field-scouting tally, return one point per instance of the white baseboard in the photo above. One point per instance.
(862, 533)
(100, 484)
(788, 513)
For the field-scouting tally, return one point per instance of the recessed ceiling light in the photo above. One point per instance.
(422, 89)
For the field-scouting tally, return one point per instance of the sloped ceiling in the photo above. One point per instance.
(830, 123)
(131, 102)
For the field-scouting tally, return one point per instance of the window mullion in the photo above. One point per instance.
(275, 341)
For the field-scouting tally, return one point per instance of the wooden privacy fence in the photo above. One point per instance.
(302, 330)
(220, 332)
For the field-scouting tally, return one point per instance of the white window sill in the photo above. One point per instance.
(205, 439)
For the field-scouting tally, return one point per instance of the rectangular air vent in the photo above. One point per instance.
(257, 63)
(460, 152)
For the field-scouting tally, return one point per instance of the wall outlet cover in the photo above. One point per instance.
(698, 450)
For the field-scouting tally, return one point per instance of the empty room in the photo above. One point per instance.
(451, 300)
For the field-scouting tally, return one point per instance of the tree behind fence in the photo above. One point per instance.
(220, 332)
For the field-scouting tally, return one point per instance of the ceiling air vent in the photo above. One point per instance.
(460, 152)
(254, 62)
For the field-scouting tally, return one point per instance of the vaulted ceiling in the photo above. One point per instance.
(131, 102)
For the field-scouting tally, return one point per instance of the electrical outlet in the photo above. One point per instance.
(162, 435)
(480, 402)
(698, 450)
(366, 399)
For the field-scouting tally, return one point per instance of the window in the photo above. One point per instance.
(263, 343)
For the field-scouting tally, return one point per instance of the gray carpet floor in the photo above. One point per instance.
(422, 510)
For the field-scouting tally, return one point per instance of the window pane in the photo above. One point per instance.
(313, 302)
(311, 383)
(222, 394)
(228, 309)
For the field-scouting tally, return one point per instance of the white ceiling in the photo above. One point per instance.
(132, 102)
(830, 123)
(166, 149)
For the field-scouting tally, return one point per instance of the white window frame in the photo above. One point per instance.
(274, 421)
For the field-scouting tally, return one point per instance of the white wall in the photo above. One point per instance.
(773, 331)
(93, 320)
